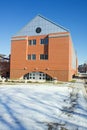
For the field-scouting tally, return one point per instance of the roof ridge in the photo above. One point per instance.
(53, 22)
(23, 31)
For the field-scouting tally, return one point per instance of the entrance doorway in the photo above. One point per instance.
(37, 76)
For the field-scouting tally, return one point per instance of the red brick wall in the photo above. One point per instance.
(59, 57)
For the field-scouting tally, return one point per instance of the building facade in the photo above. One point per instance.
(42, 50)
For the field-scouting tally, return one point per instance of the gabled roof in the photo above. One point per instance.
(46, 27)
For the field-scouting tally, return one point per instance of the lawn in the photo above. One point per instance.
(45, 106)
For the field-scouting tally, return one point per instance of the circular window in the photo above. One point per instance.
(38, 30)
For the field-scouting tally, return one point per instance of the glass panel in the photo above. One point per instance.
(34, 42)
(40, 74)
(29, 42)
(33, 57)
(41, 56)
(44, 41)
(33, 74)
(46, 56)
(30, 74)
(29, 57)
(41, 41)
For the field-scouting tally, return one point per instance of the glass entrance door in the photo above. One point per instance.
(37, 76)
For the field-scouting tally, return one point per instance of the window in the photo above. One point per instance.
(44, 41)
(43, 57)
(29, 42)
(31, 57)
(46, 56)
(38, 30)
(32, 75)
(41, 41)
(32, 42)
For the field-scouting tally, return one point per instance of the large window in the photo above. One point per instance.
(31, 57)
(44, 41)
(43, 57)
(32, 42)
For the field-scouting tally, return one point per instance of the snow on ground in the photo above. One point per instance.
(43, 107)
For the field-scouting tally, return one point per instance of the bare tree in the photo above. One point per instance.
(4, 66)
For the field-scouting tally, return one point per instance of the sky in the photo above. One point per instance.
(71, 14)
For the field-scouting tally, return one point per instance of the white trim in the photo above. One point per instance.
(15, 39)
(59, 35)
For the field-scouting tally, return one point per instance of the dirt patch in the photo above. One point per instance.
(56, 126)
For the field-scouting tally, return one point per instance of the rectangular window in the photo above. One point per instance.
(41, 41)
(33, 57)
(29, 57)
(43, 57)
(29, 42)
(44, 41)
(32, 42)
(46, 57)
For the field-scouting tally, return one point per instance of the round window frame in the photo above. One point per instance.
(38, 30)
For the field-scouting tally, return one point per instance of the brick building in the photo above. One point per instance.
(42, 50)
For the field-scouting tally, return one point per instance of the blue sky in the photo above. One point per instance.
(71, 14)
